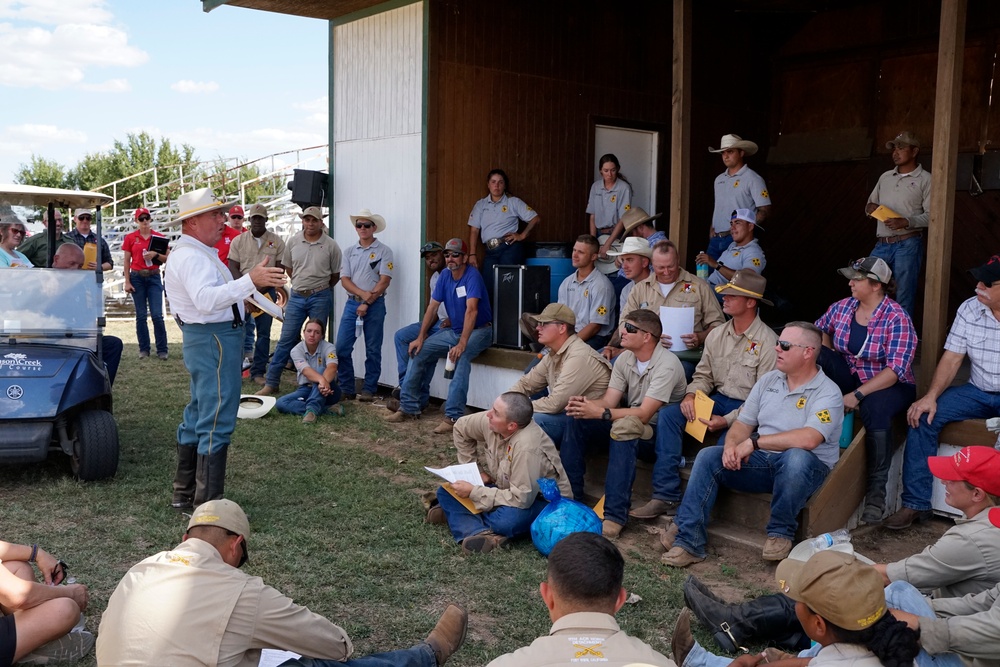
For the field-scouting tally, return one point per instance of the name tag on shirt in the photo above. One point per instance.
(460, 290)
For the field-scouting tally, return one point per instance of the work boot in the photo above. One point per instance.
(776, 548)
(611, 529)
(681, 642)
(878, 452)
(210, 477)
(483, 543)
(655, 508)
(905, 518)
(668, 536)
(449, 633)
(446, 425)
(769, 618)
(187, 466)
(435, 515)
(679, 557)
(400, 416)
(267, 390)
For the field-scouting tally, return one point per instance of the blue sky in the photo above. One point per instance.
(77, 74)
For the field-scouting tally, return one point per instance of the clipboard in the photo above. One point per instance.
(702, 410)
(466, 502)
(158, 244)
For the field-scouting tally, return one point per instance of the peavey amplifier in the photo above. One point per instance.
(517, 289)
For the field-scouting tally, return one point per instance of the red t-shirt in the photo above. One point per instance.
(135, 244)
(228, 234)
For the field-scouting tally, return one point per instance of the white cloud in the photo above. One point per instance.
(54, 12)
(187, 86)
(38, 134)
(251, 144)
(109, 86)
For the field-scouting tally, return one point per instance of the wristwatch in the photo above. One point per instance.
(753, 438)
(607, 415)
(858, 395)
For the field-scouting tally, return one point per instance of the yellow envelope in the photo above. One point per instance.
(703, 410)
(884, 213)
(466, 502)
(89, 253)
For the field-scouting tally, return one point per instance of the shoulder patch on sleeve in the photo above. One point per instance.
(824, 416)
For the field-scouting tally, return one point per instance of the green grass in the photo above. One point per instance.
(336, 518)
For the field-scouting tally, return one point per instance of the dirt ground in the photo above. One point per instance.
(735, 572)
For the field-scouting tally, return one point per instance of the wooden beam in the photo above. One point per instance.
(680, 132)
(947, 108)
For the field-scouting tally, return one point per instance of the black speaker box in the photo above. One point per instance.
(516, 289)
(309, 188)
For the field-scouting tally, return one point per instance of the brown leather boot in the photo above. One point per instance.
(187, 464)
(449, 633)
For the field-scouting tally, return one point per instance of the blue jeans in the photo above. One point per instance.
(347, 335)
(504, 254)
(402, 341)
(879, 407)
(262, 350)
(955, 404)
(307, 397)
(554, 426)
(669, 440)
(149, 291)
(717, 245)
(250, 325)
(213, 356)
(581, 435)
(298, 309)
(905, 259)
(111, 353)
(422, 367)
(504, 520)
(421, 655)
(791, 477)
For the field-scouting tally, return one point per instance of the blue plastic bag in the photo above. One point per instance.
(562, 517)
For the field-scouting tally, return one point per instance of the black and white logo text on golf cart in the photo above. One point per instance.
(20, 362)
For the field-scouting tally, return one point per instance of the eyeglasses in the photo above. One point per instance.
(452, 254)
(631, 328)
(541, 325)
(787, 345)
(145, 218)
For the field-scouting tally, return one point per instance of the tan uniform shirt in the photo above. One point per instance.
(245, 250)
(732, 363)
(312, 263)
(188, 607)
(663, 379)
(689, 291)
(965, 560)
(581, 638)
(515, 463)
(968, 626)
(574, 370)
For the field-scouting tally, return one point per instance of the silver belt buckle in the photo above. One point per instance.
(493, 244)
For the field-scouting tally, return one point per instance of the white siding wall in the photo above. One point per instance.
(377, 106)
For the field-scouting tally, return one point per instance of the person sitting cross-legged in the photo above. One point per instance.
(315, 362)
(784, 442)
(516, 453)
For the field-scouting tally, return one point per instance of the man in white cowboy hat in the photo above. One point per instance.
(367, 271)
(738, 186)
(906, 191)
(736, 355)
(208, 304)
(246, 252)
(743, 253)
(312, 260)
(636, 257)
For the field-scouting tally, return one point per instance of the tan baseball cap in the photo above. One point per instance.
(835, 585)
(257, 209)
(224, 514)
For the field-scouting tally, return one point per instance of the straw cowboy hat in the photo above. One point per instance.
(255, 407)
(735, 141)
(365, 214)
(195, 203)
(635, 216)
(745, 282)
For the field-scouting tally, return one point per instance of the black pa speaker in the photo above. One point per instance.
(517, 289)
(309, 188)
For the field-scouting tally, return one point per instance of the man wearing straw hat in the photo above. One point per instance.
(208, 305)
(738, 186)
(638, 224)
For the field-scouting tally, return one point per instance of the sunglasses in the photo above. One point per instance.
(364, 225)
(787, 345)
(632, 329)
(15, 230)
(85, 217)
(145, 218)
(429, 247)
(452, 254)
(236, 217)
(986, 283)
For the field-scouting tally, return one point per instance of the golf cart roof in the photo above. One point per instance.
(31, 195)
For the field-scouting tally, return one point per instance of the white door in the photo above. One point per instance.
(636, 152)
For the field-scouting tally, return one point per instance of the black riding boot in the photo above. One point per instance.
(770, 618)
(878, 452)
(211, 477)
(184, 478)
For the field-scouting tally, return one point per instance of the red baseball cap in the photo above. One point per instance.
(236, 210)
(456, 245)
(139, 212)
(995, 516)
(979, 466)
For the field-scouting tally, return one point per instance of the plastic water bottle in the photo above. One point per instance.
(449, 368)
(702, 270)
(827, 540)
(359, 326)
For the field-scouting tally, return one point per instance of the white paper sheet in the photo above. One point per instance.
(270, 657)
(676, 323)
(465, 472)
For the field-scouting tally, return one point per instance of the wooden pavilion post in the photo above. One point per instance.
(947, 108)
(680, 132)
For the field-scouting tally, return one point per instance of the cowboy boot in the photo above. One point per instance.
(769, 618)
(217, 475)
(201, 480)
(184, 479)
(878, 452)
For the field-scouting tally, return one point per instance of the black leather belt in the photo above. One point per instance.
(145, 273)
(896, 239)
(725, 233)
(309, 292)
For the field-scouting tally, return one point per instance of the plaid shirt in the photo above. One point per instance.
(976, 333)
(891, 340)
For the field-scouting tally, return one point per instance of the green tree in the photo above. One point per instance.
(43, 173)
(226, 181)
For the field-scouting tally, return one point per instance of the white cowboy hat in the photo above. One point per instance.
(634, 245)
(195, 203)
(365, 214)
(735, 141)
(607, 266)
(254, 407)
